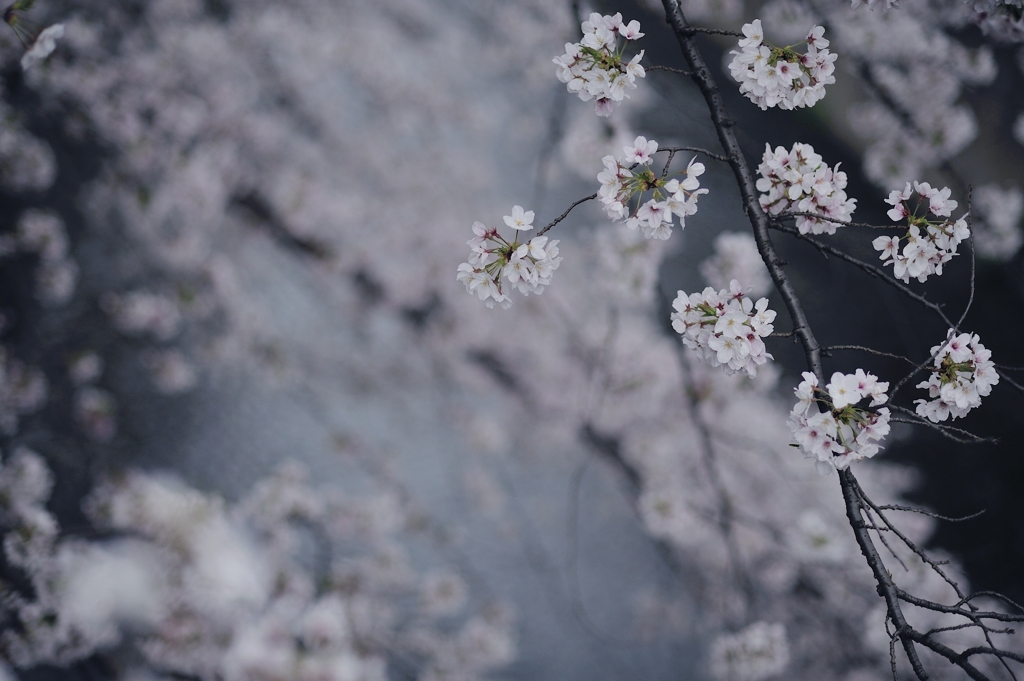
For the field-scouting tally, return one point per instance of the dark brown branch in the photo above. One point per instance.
(957, 609)
(691, 30)
(887, 589)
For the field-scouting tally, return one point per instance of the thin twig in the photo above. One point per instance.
(1012, 382)
(697, 150)
(1007, 368)
(690, 30)
(845, 223)
(925, 422)
(994, 594)
(566, 213)
(867, 267)
(866, 349)
(974, 259)
(669, 69)
(911, 509)
(671, 155)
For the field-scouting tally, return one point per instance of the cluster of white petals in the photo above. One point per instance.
(798, 180)
(626, 180)
(780, 76)
(844, 432)
(755, 653)
(725, 327)
(497, 265)
(962, 374)
(594, 69)
(930, 244)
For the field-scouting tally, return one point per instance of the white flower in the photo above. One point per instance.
(725, 327)
(962, 373)
(930, 244)
(594, 69)
(641, 151)
(520, 219)
(43, 46)
(799, 180)
(497, 265)
(625, 181)
(844, 432)
(776, 76)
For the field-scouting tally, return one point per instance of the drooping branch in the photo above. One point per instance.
(852, 496)
(566, 213)
(744, 179)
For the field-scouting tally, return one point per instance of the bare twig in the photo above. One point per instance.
(944, 430)
(669, 69)
(566, 213)
(845, 223)
(697, 150)
(869, 268)
(911, 509)
(974, 259)
(868, 350)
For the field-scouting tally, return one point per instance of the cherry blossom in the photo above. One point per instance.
(594, 68)
(725, 327)
(627, 180)
(844, 432)
(497, 265)
(962, 373)
(780, 76)
(799, 180)
(929, 244)
(43, 46)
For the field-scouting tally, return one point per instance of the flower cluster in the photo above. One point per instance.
(844, 432)
(780, 76)
(725, 327)
(962, 374)
(593, 68)
(799, 179)
(755, 653)
(930, 244)
(630, 177)
(497, 265)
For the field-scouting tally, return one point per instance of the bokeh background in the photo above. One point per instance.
(230, 231)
